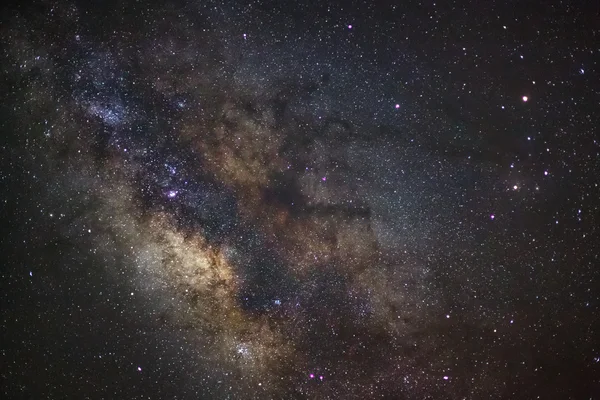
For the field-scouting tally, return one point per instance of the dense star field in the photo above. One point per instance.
(300, 200)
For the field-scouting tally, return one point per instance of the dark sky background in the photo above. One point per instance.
(288, 200)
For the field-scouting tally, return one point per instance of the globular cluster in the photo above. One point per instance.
(275, 200)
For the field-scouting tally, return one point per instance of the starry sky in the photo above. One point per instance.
(300, 200)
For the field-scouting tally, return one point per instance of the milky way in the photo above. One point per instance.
(226, 200)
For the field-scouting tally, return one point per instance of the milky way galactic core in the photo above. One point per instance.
(267, 200)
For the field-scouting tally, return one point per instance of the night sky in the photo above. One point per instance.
(300, 200)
